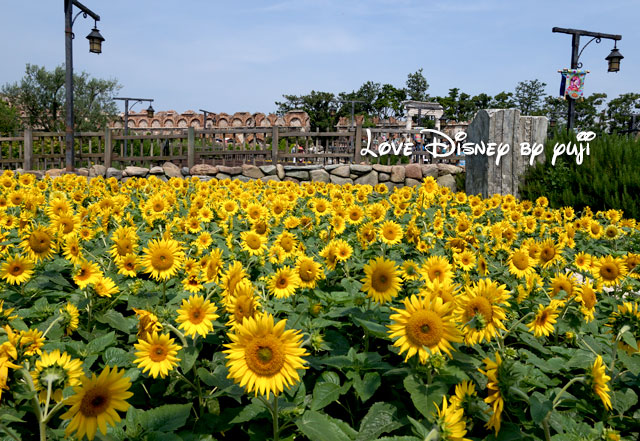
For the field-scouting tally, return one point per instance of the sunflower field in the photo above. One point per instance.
(221, 310)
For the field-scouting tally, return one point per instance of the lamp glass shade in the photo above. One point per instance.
(614, 60)
(95, 41)
(150, 111)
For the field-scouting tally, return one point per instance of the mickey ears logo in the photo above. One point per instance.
(442, 145)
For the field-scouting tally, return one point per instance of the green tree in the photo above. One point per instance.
(529, 96)
(619, 111)
(503, 100)
(320, 106)
(9, 119)
(41, 95)
(417, 86)
(389, 102)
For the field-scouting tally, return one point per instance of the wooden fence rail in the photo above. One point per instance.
(228, 146)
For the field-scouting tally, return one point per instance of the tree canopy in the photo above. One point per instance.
(41, 95)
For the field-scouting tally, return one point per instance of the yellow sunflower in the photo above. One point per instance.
(599, 380)
(610, 270)
(390, 233)
(451, 423)
(86, 274)
(157, 354)
(53, 372)
(39, 244)
(70, 318)
(243, 304)
(495, 398)
(425, 326)
(586, 295)
(283, 283)
(16, 270)
(196, 316)
(545, 318)
(309, 272)
(520, 264)
(163, 258)
(147, 323)
(105, 286)
(263, 357)
(382, 280)
(480, 310)
(437, 268)
(253, 243)
(96, 402)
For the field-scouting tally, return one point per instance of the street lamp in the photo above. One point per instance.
(150, 113)
(95, 46)
(613, 58)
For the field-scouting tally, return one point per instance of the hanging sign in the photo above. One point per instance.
(572, 85)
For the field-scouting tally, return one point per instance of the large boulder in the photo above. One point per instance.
(157, 170)
(397, 174)
(340, 181)
(410, 182)
(171, 170)
(343, 171)
(251, 171)
(360, 169)
(429, 170)
(370, 178)
(231, 171)
(384, 177)
(448, 169)
(268, 169)
(320, 176)
(97, 170)
(382, 168)
(204, 170)
(413, 171)
(270, 178)
(131, 171)
(280, 171)
(447, 181)
(300, 175)
(113, 173)
(82, 171)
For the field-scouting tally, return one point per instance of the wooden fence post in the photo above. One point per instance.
(27, 158)
(108, 147)
(357, 144)
(191, 147)
(274, 145)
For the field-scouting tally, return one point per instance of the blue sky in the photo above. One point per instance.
(242, 56)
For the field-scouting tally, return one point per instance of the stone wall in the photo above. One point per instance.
(391, 176)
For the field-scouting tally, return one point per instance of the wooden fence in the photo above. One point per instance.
(187, 147)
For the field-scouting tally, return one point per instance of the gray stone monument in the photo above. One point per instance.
(502, 126)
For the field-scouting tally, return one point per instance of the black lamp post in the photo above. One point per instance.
(95, 46)
(613, 58)
(150, 113)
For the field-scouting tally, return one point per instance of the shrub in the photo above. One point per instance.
(607, 178)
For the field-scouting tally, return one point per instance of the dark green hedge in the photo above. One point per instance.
(608, 178)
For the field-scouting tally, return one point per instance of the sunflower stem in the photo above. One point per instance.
(46, 403)
(34, 403)
(545, 426)
(274, 413)
(556, 400)
(51, 326)
(179, 334)
(55, 409)
(164, 291)
(522, 319)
